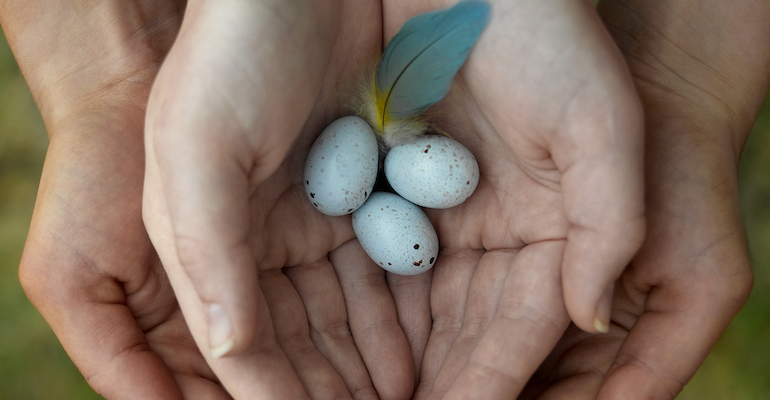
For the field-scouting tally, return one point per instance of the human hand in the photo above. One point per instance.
(88, 265)
(242, 95)
(702, 81)
(548, 109)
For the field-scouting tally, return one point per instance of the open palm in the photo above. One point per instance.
(547, 107)
(240, 98)
(233, 113)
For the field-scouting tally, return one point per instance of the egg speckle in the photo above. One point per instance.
(432, 171)
(396, 234)
(341, 167)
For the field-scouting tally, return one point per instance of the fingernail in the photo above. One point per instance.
(603, 309)
(221, 338)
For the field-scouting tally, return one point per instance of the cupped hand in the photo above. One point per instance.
(702, 81)
(546, 105)
(242, 95)
(88, 265)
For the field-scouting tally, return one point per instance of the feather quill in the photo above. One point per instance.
(417, 68)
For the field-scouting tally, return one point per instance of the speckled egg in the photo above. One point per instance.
(432, 171)
(396, 234)
(341, 167)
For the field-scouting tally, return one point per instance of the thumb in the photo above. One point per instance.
(197, 214)
(209, 224)
(603, 190)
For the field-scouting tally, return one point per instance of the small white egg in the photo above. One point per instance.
(396, 234)
(341, 167)
(432, 171)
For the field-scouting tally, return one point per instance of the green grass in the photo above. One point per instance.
(33, 364)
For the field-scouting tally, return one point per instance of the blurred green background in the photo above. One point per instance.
(33, 364)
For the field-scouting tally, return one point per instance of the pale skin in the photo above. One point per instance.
(293, 328)
(534, 235)
(702, 73)
(310, 340)
(549, 196)
(88, 265)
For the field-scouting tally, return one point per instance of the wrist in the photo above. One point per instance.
(710, 74)
(80, 59)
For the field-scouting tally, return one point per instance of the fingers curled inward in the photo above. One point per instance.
(576, 366)
(577, 387)
(292, 333)
(529, 320)
(600, 155)
(481, 304)
(680, 325)
(452, 276)
(261, 370)
(412, 297)
(320, 291)
(374, 322)
(100, 334)
(197, 388)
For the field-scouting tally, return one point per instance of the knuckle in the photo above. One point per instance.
(494, 374)
(667, 383)
(191, 251)
(42, 282)
(205, 262)
(447, 324)
(335, 331)
(523, 313)
(380, 329)
(32, 280)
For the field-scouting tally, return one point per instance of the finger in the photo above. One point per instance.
(576, 387)
(196, 388)
(209, 229)
(587, 141)
(262, 370)
(172, 341)
(292, 332)
(603, 199)
(412, 297)
(452, 276)
(374, 322)
(528, 321)
(320, 291)
(482, 298)
(652, 365)
(576, 366)
(215, 135)
(600, 155)
(98, 331)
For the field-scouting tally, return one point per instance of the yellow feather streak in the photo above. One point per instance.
(372, 106)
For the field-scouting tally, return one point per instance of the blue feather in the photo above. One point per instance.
(420, 62)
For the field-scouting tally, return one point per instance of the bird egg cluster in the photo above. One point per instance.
(431, 171)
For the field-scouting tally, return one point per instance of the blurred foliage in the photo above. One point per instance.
(33, 364)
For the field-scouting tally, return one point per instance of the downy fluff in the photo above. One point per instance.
(417, 68)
